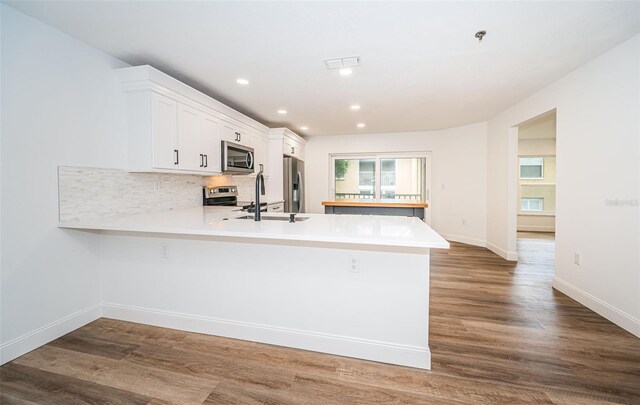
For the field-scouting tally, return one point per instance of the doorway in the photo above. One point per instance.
(536, 192)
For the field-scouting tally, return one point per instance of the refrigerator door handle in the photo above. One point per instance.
(298, 194)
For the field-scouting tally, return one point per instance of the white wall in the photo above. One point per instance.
(61, 105)
(458, 178)
(598, 152)
(537, 147)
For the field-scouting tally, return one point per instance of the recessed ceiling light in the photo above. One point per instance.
(282, 111)
(339, 63)
(243, 82)
(346, 71)
(361, 125)
(355, 107)
(304, 128)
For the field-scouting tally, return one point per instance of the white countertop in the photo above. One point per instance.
(359, 231)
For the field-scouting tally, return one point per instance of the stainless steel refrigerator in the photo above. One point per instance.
(293, 185)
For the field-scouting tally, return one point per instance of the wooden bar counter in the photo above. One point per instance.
(407, 208)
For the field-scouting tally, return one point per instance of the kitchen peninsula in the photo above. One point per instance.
(350, 285)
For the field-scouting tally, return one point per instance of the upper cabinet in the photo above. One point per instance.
(173, 128)
(291, 143)
(210, 143)
(163, 121)
(234, 133)
(259, 143)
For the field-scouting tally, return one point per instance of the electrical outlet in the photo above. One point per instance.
(354, 265)
(577, 259)
(464, 222)
(156, 185)
(164, 250)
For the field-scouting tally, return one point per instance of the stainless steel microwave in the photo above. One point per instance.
(236, 158)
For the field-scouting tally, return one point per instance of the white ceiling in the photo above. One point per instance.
(421, 67)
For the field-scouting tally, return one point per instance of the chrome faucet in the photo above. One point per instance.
(259, 191)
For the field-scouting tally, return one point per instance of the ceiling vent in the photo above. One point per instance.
(341, 63)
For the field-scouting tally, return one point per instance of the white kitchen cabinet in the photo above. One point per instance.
(164, 128)
(259, 143)
(276, 207)
(292, 147)
(232, 132)
(288, 141)
(189, 134)
(173, 128)
(197, 146)
(210, 144)
(180, 137)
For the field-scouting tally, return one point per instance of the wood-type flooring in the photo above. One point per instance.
(499, 334)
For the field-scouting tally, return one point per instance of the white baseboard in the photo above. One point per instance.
(385, 352)
(598, 306)
(512, 256)
(536, 228)
(464, 239)
(32, 340)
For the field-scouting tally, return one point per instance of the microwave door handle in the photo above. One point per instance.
(249, 160)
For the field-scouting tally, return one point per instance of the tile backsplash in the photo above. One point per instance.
(89, 193)
(246, 188)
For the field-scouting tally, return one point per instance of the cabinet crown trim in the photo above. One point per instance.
(281, 133)
(148, 78)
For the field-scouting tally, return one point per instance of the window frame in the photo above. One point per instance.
(531, 157)
(541, 199)
(425, 197)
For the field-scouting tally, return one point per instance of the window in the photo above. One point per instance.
(531, 168)
(341, 166)
(379, 176)
(531, 204)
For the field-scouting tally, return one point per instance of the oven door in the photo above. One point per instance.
(236, 159)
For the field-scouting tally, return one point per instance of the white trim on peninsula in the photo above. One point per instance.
(385, 352)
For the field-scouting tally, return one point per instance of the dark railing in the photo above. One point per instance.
(386, 196)
(351, 196)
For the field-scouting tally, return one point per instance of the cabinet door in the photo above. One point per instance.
(228, 132)
(164, 132)
(279, 207)
(291, 147)
(245, 138)
(232, 133)
(189, 133)
(261, 153)
(210, 143)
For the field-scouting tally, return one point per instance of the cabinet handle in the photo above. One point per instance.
(201, 160)
(206, 161)
(175, 162)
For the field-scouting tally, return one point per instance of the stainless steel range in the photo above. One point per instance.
(226, 196)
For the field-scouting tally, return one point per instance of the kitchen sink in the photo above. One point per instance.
(271, 218)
